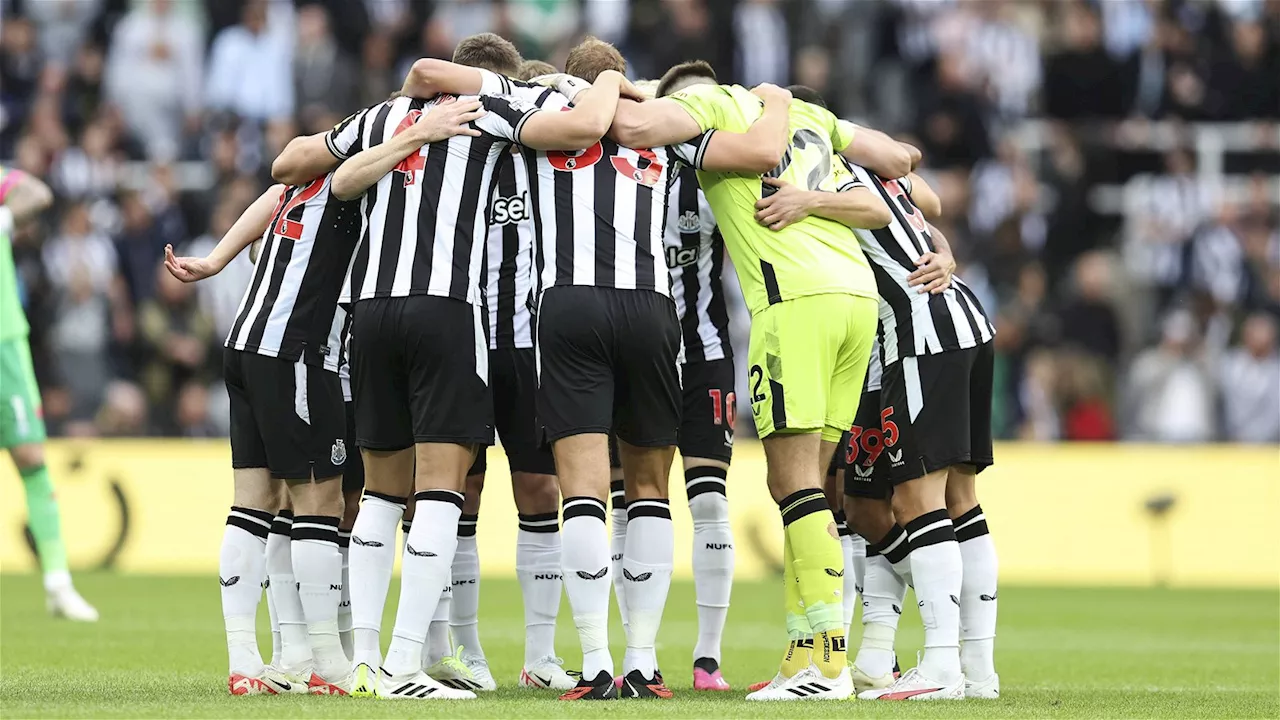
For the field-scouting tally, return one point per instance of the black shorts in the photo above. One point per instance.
(607, 363)
(937, 409)
(420, 373)
(862, 452)
(353, 469)
(285, 416)
(710, 406)
(513, 375)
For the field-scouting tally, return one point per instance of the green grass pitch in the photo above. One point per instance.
(159, 652)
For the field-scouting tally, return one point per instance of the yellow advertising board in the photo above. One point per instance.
(1060, 514)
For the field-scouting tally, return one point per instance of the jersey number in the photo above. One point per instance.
(729, 412)
(802, 140)
(292, 229)
(757, 379)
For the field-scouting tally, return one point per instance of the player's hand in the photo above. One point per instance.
(787, 206)
(933, 272)
(187, 269)
(768, 91)
(627, 89)
(446, 119)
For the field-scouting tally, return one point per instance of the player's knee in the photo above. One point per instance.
(705, 483)
(319, 497)
(919, 496)
(872, 519)
(471, 494)
(962, 491)
(257, 490)
(389, 472)
(27, 456)
(350, 508)
(535, 493)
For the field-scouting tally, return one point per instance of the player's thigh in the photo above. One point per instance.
(576, 374)
(710, 406)
(850, 371)
(647, 395)
(248, 450)
(379, 384)
(790, 361)
(353, 468)
(21, 418)
(514, 377)
(925, 414)
(447, 365)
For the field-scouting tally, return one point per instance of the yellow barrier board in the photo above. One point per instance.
(1060, 514)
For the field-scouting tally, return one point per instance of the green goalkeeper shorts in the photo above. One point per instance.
(21, 416)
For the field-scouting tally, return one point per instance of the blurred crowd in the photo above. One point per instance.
(1137, 289)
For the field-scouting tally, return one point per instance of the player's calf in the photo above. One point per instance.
(713, 562)
(978, 590)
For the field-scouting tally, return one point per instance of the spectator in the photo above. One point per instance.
(91, 169)
(83, 93)
(153, 75)
(1171, 394)
(1164, 210)
(1089, 320)
(178, 337)
(20, 65)
(324, 78)
(1249, 380)
(1244, 83)
(951, 122)
(61, 26)
(220, 295)
(763, 41)
(143, 235)
(1081, 80)
(82, 268)
(250, 64)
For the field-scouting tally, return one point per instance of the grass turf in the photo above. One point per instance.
(159, 652)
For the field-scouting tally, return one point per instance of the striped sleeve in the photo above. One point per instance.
(846, 178)
(504, 116)
(693, 151)
(344, 139)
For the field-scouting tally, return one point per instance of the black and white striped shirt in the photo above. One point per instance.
(290, 309)
(695, 256)
(914, 323)
(509, 256)
(424, 224)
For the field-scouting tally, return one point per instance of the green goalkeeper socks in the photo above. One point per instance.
(42, 514)
(818, 559)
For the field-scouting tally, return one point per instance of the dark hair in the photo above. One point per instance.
(593, 56)
(489, 52)
(530, 69)
(807, 94)
(684, 71)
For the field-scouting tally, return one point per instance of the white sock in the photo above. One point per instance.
(938, 573)
(439, 645)
(464, 615)
(538, 567)
(429, 549)
(883, 592)
(977, 595)
(277, 653)
(317, 565)
(295, 648)
(242, 568)
(584, 560)
(646, 574)
(618, 543)
(344, 601)
(850, 590)
(373, 555)
(713, 556)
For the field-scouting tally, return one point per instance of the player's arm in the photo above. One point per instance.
(429, 77)
(24, 196)
(857, 206)
(250, 226)
(653, 123)
(579, 127)
(923, 196)
(871, 149)
(305, 157)
(366, 168)
(762, 147)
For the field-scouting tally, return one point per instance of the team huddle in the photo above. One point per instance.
(501, 247)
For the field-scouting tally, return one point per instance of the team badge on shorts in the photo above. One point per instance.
(338, 455)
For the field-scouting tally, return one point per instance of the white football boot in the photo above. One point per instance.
(417, 686)
(452, 672)
(65, 602)
(547, 672)
(287, 681)
(863, 682)
(481, 678)
(339, 686)
(239, 684)
(915, 686)
(988, 689)
(808, 684)
(364, 681)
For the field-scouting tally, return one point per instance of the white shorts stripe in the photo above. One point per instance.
(480, 326)
(300, 406)
(911, 376)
